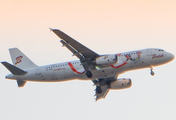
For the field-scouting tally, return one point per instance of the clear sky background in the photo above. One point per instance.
(111, 26)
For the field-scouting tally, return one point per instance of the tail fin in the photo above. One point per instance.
(20, 60)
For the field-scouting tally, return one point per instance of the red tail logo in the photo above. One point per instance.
(18, 59)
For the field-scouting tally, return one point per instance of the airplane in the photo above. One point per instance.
(102, 70)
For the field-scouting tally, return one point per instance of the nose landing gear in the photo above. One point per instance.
(151, 71)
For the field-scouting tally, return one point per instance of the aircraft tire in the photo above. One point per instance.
(89, 74)
(152, 73)
(98, 90)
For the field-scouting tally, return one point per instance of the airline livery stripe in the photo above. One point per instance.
(119, 65)
(74, 70)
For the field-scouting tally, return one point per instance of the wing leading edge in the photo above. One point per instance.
(79, 50)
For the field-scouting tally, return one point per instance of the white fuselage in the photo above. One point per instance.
(127, 61)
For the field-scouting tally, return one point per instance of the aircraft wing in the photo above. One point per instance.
(103, 94)
(102, 87)
(79, 50)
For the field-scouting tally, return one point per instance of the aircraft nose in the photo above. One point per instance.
(170, 56)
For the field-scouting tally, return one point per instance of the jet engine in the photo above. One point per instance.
(106, 60)
(122, 83)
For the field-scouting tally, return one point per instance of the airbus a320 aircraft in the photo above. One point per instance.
(102, 70)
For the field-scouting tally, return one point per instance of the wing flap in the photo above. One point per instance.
(75, 52)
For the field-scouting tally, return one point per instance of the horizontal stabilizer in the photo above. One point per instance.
(13, 69)
(21, 83)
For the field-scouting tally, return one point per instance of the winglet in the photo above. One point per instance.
(51, 29)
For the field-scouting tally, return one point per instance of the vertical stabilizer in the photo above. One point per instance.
(20, 60)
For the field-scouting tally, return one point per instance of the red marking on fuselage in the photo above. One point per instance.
(119, 65)
(59, 69)
(119, 54)
(157, 56)
(74, 70)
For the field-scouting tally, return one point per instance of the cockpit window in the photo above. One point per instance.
(160, 50)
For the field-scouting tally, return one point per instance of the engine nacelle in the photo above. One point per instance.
(106, 60)
(121, 84)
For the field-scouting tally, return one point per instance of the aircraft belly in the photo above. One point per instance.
(103, 73)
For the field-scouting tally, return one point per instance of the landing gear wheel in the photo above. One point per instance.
(89, 74)
(98, 90)
(152, 73)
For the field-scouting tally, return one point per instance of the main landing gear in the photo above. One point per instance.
(89, 74)
(151, 71)
(98, 90)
